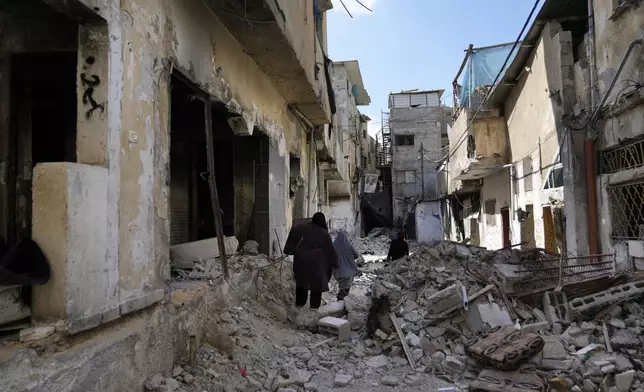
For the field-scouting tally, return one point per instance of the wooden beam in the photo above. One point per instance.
(212, 182)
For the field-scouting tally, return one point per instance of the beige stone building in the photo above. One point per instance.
(517, 167)
(107, 111)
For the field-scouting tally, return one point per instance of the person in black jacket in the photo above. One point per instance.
(398, 248)
(314, 260)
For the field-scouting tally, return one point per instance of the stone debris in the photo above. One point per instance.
(36, 333)
(441, 297)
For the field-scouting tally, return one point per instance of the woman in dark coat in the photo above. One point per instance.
(314, 260)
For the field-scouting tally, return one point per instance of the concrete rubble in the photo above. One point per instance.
(412, 323)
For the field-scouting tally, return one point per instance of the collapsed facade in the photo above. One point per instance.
(521, 148)
(152, 116)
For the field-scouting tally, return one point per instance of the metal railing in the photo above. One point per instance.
(543, 274)
(624, 157)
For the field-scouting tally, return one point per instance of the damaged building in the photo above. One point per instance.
(516, 162)
(130, 128)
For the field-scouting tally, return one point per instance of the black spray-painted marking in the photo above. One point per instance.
(88, 95)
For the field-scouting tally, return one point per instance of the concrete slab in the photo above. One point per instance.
(202, 250)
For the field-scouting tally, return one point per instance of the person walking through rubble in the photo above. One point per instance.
(347, 268)
(314, 260)
(399, 248)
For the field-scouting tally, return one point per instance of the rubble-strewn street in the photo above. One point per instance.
(426, 321)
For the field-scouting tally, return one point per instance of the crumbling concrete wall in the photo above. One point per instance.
(534, 133)
(495, 187)
(123, 356)
(132, 48)
(424, 123)
(623, 117)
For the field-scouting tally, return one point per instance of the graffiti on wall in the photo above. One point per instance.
(89, 85)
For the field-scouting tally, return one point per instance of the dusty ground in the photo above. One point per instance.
(266, 352)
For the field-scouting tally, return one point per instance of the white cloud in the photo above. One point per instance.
(353, 6)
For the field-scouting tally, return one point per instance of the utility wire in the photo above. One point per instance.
(487, 95)
(346, 9)
(365, 7)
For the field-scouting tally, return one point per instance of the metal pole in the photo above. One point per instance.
(422, 171)
(308, 190)
(212, 182)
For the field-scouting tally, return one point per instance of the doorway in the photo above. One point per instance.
(42, 127)
(528, 240)
(505, 224)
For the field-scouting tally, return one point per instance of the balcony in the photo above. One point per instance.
(483, 151)
(334, 166)
(279, 36)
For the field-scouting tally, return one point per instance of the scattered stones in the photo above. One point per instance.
(171, 384)
(623, 381)
(36, 333)
(176, 371)
(413, 339)
(617, 323)
(377, 361)
(390, 381)
(453, 365)
(342, 380)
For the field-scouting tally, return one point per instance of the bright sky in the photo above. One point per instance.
(407, 44)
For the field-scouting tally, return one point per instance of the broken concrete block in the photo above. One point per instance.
(487, 315)
(412, 339)
(377, 361)
(379, 333)
(553, 348)
(36, 333)
(390, 381)
(536, 327)
(335, 326)
(333, 309)
(452, 364)
(202, 250)
(623, 381)
(624, 339)
(171, 384)
(342, 380)
(250, 247)
(557, 364)
(555, 306)
(445, 299)
(617, 323)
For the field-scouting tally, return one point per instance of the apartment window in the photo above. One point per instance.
(527, 173)
(627, 210)
(555, 176)
(406, 176)
(364, 133)
(404, 140)
(471, 147)
(490, 212)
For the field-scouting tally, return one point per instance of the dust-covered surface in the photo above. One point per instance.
(443, 298)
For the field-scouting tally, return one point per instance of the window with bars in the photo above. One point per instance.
(623, 157)
(490, 212)
(627, 210)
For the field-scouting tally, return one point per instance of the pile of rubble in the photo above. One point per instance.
(456, 311)
(376, 243)
(449, 315)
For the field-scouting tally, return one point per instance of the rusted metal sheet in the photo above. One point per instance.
(504, 348)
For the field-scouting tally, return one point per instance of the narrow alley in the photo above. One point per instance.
(318, 195)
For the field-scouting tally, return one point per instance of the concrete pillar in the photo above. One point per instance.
(70, 225)
(92, 76)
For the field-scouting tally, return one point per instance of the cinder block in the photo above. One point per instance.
(445, 299)
(555, 306)
(335, 326)
(617, 294)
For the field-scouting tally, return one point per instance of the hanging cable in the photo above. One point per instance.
(346, 9)
(364, 6)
